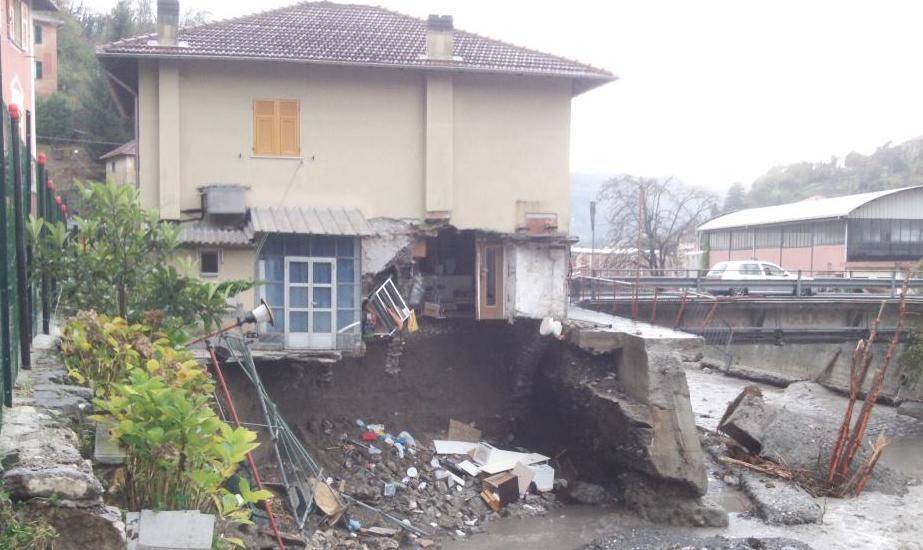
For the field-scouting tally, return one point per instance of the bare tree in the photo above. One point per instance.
(654, 216)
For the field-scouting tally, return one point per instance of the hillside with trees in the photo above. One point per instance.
(889, 167)
(82, 112)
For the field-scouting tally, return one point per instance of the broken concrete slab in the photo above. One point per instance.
(779, 502)
(746, 418)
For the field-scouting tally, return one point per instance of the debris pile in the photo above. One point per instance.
(388, 490)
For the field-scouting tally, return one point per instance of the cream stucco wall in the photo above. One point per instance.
(365, 140)
(234, 264)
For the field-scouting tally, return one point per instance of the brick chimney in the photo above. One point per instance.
(167, 22)
(440, 38)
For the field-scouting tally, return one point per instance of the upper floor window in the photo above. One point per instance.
(37, 33)
(16, 22)
(39, 70)
(276, 127)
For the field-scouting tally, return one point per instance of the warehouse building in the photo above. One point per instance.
(854, 233)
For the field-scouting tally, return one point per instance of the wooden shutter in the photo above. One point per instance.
(265, 136)
(289, 128)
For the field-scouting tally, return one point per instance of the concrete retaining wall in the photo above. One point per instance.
(828, 364)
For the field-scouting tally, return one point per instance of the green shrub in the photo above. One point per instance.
(101, 351)
(179, 453)
(121, 261)
(17, 531)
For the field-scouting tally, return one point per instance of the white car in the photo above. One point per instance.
(746, 271)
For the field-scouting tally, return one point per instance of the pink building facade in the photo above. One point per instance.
(850, 234)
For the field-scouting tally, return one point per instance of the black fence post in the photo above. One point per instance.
(27, 209)
(19, 228)
(43, 212)
(6, 349)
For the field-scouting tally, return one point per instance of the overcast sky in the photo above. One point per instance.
(710, 91)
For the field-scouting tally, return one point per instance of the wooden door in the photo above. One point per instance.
(490, 281)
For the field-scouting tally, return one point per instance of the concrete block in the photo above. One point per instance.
(175, 530)
(106, 449)
(780, 502)
(746, 419)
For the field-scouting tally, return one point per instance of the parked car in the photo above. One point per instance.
(743, 272)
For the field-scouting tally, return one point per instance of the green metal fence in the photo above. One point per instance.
(24, 306)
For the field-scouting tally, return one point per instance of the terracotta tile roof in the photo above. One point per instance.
(348, 34)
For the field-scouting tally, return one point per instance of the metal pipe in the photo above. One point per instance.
(46, 287)
(233, 410)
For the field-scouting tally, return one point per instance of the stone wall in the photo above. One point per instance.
(41, 461)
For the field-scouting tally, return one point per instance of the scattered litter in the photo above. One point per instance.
(504, 487)
(390, 489)
(373, 450)
(412, 472)
(469, 468)
(524, 475)
(447, 447)
(327, 500)
(493, 460)
(381, 531)
(544, 477)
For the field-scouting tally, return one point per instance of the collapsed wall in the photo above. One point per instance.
(624, 402)
(619, 418)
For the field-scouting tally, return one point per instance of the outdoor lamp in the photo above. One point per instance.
(262, 314)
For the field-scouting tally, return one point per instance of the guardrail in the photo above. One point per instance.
(797, 286)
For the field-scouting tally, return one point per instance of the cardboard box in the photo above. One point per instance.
(504, 486)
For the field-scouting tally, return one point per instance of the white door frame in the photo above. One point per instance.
(310, 339)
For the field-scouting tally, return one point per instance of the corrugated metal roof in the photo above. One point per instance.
(806, 210)
(211, 235)
(310, 221)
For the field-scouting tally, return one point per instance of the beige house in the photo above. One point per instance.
(324, 148)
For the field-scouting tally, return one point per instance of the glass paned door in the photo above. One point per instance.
(310, 303)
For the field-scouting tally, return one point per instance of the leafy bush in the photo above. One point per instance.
(103, 351)
(16, 531)
(121, 259)
(179, 453)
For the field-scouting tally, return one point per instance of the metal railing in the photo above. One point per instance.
(799, 283)
(25, 304)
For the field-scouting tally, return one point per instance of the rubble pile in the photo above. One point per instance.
(385, 490)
